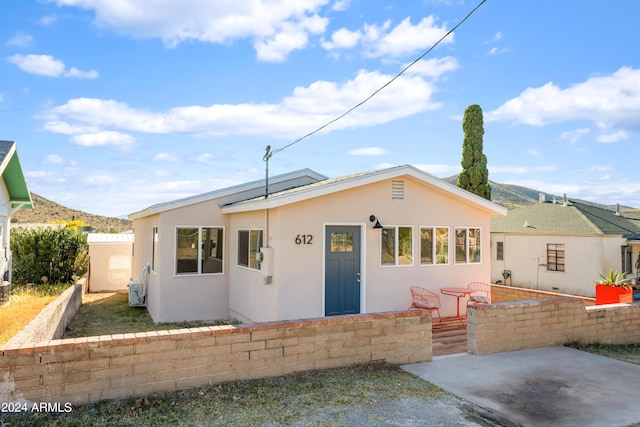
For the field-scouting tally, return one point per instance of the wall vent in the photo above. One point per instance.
(397, 190)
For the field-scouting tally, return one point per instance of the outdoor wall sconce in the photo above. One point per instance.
(377, 225)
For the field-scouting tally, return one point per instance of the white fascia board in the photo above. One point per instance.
(7, 158)
(223, 192)
(275, 201)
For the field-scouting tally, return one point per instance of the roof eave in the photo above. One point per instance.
(13, 177)
(223, 192)
(376, 176)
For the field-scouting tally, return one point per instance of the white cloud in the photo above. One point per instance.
(613, 98)
(74, 72)
(292, 36)
(166, 157)
(102, 179)
(205, 158)
(47, 20)
(47, 65)
(575, 135)
(498, 50)
(307, 108)
(20, 40)
(53, 159)
(434, 67)
(368, 151)
(342, 39)
(67, 128)
(612, 137)
(600, 168)
(276, 27)
(341, 5)
(102, 138)
(44, 176)
(44, 65)
(403, 39)
(534, 153)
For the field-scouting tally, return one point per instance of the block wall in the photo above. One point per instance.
(82, 370)
(501, 293)
(53, 320)
(500, 327)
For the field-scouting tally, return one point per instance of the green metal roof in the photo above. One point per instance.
(574, 218)
(13, 177)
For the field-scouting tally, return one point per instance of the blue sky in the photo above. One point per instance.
(118, 105)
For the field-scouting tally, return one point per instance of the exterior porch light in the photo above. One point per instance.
(377, 225)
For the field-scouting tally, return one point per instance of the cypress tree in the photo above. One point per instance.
(475, 175)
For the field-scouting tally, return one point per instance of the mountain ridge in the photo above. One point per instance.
(46, 211)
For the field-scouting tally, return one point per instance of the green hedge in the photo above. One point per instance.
(48, 255)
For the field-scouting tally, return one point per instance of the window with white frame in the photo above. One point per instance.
(154, 248)
(249, 244)
(396, 246)
(467, 245)
(434, 245)
(500, 251)
(199, 250)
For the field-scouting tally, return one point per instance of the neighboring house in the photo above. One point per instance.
(14, 195)
(314, 247)
(563, 245)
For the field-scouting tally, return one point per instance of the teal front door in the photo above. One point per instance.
(342, 270)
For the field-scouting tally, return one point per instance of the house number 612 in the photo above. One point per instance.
(304, 239)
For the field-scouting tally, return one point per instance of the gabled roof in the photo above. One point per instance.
(574, 218)
(249, 189)
(19, 195)
(346, 182)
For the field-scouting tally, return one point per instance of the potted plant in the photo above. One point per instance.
(613, 288)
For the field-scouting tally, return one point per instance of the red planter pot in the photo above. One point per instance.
(613, 294)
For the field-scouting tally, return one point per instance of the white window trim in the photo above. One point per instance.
(434, 227)
(175, 251)
(467, 262)
(395, 255)
(246, 267)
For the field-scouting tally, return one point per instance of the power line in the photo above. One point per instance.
(270, 153)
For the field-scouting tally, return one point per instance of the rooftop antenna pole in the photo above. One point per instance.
(267, 155)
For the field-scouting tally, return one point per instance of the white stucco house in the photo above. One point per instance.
(313, 247)
(562, 245)
(14, 195)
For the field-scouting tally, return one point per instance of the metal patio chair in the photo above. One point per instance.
(481, 294)
(425, 300)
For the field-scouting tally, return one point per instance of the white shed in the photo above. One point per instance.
(109, 261)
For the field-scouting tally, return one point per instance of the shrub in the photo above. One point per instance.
(48, 255)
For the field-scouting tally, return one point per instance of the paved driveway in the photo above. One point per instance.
(552, 386)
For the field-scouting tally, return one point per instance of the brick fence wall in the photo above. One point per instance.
(494, 328)
(502, 293)
(82, 370)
